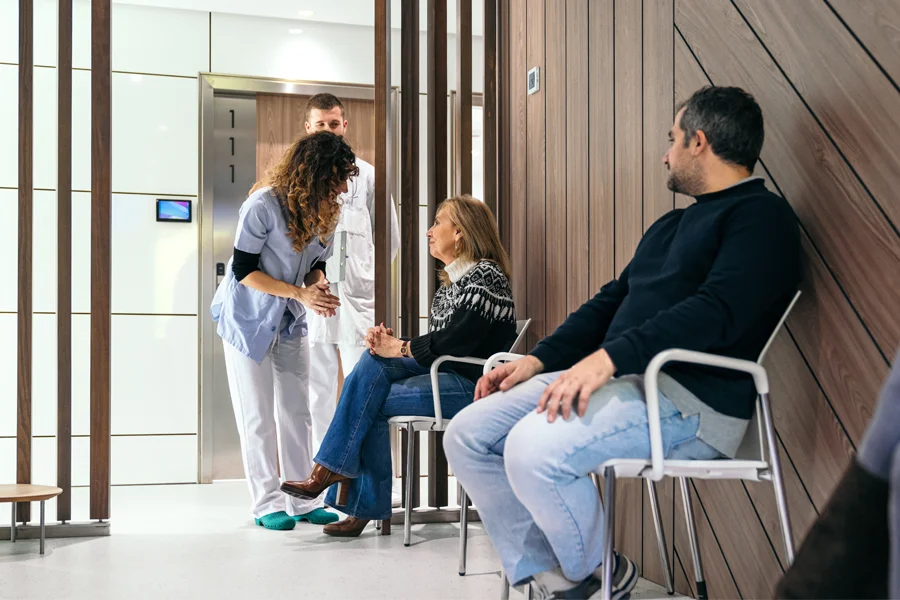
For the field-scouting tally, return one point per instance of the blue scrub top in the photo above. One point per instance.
(248, 319)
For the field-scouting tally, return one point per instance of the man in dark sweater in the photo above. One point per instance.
(714, 277)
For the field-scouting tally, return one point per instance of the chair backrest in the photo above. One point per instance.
(752, 445)
(521, 328)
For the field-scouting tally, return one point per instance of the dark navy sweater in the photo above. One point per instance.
(714, 277)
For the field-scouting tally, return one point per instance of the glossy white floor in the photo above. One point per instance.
(196, 541)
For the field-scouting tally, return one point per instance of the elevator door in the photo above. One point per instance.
(235, 174)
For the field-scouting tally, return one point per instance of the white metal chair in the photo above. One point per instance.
(414, 424)
(756, 460)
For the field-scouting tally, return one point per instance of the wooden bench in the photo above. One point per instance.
(24, 492)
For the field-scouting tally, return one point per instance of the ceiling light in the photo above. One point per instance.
(295, 31)
(304, 14)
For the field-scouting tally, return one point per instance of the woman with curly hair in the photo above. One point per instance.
(277, 273)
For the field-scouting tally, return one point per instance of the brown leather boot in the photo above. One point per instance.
(349, 527)
(319, 480)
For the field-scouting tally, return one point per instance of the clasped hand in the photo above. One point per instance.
(318, 298)
(380, 340)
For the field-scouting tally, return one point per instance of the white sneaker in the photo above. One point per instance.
(396, 494)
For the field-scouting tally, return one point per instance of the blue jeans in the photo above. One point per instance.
(357, 443)
(530, 479)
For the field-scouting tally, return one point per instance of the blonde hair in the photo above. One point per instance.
(480, 237)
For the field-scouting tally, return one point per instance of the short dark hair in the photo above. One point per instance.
(323, 102)
(731, 120)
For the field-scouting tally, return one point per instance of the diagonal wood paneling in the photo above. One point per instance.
(849, 95)
(830, 201)
(601, 143)
(578, 166)
(875, 24)
(535, 149)
(554, 84)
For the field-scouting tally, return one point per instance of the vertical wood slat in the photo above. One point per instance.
(502, 142)
(535, 148)
(518, 117)
(26, 238)
(464, 96)
(436, 69)
(409, 173)
(578, 258)
(490, 125)
(101, 202)
(553, 82)
(64, 264)
(602, 130)
(382, 159)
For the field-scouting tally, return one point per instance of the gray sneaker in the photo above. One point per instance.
(625, 577)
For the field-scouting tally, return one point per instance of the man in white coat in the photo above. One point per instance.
(342, 337)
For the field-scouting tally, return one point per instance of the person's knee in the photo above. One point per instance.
(532, 451)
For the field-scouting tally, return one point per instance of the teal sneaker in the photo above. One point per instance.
(319, 516)
(279, 521)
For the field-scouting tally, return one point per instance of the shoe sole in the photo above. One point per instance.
(260, 523)
(296, 494)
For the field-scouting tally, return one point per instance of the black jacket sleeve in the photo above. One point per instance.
(244, 263)
(463, 334)
(584, 330)
(320, 265)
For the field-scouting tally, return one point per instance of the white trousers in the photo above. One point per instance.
(272, 399)
(323, 382)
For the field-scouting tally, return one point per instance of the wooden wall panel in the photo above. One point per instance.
(578, 166)
(281, 118)
(658, 105)
(554, 84)
(409, 172)
(463, 106)
(874, 23)
(436, 72)
(64, 265)
(518, 166)
(601, 142)
(628, 131)
(688, 79)
(850, 96)
(830, 201)
(101, 203)
(535, 148)
(504, 123)
(26, 243)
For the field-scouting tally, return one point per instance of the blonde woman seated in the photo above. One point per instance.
(472, 314)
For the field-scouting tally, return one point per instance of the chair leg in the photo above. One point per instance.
(12, 525)
(529, 591)
(385, 526)
(463, 529)
(777, 480)
(692, 536)
(410, 467)
(42, 526)
(504, 586)
(660, 537)
(609, 512)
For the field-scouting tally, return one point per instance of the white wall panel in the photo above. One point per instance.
(43, 275)
(155, 133)
(154, 265)
(9, 244)
(81, 372)
(7, 464)
(154, 374)
(159, 41)
(43, 462)
(154, 459)
(8, 362)
(9, 125)
(424, 271)
(81, 252)
(44, 375)
(45, 127)
(81, 130)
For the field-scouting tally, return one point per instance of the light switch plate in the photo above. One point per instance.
(534, 80)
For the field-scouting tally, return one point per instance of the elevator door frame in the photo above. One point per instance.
(211, 85)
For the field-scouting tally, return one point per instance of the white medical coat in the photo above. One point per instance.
(357, 291)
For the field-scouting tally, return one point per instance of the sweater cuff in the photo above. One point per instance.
(623, 355)
(421, 350)
(548, 357)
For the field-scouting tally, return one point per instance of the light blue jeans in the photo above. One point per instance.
(530, 479)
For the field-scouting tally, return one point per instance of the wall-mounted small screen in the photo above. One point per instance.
(175, 211)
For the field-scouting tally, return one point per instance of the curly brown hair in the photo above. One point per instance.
(306, 180)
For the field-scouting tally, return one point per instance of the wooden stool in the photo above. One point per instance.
(24, 492)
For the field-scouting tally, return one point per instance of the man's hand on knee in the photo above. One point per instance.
(507, 375)
(576, 385)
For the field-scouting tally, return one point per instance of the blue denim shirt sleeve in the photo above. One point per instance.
(254, 225)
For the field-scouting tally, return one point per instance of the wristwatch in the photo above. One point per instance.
(404, 349)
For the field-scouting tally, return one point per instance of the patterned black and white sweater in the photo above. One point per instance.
(473, 316)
